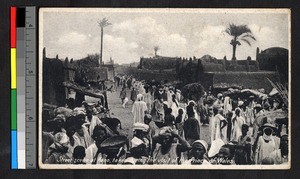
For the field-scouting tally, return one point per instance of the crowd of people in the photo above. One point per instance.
(166, 130)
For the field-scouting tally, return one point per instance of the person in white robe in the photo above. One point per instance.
(148, 99)
(237, 123)
(227, 105)
(216, 132)
(91, 121)
(266, 145)
(193, 103)
(139, 109)
(82, 137)
(93, 155)
(174, 106)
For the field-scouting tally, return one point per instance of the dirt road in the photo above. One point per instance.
(125, 115)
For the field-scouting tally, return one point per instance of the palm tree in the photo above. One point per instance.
(239, 33)
(103, 23)
(156, 48)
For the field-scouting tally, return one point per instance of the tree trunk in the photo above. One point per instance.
(234, 43)
(233, 52)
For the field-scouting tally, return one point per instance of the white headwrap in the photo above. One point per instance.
(165, 131)
(61, 138)
(240, 103)
(139, 97)
(192, 101)
(203, 143)
(136, 142)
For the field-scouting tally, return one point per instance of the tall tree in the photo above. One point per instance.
(103, 23)
(239, 33)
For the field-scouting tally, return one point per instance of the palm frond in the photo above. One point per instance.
(104, 22)
(247, 41)
(248, 35)
(244, 29)
(228, 31)
(237, 30)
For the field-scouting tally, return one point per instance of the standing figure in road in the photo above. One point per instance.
(216, 125)
(148, 97)
(179, 121)
(158, 111)
(237, 123)
(123, 95)
(191, 126)
(133, 95)
(139, 109)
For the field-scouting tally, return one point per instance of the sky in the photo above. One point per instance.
(74, 33)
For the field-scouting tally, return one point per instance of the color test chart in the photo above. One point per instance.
(23, 88)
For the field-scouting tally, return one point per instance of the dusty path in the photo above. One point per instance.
(125, 115)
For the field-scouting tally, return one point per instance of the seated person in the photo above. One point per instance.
(58, 152)
(138, 153)
(198, 154)
(81, 136)
(141, 132)
(93, 155)
(225, 156)
(167, 152)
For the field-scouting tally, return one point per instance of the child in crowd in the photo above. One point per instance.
(78, 155)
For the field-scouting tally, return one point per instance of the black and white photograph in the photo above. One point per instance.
(164, 88)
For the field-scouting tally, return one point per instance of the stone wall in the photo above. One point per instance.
(53, 77)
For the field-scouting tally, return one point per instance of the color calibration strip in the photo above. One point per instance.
(23, 84)
(13, 62)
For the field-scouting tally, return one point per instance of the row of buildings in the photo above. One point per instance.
(271, 63)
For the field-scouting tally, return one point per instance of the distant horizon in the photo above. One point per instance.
(74, 33)
(106, 62)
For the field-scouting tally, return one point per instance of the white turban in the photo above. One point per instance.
(240, 103)
(203, 143)
(139, 97)
(140, 126)
(61, 138)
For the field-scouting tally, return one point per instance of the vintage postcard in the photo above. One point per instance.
(164, 88)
